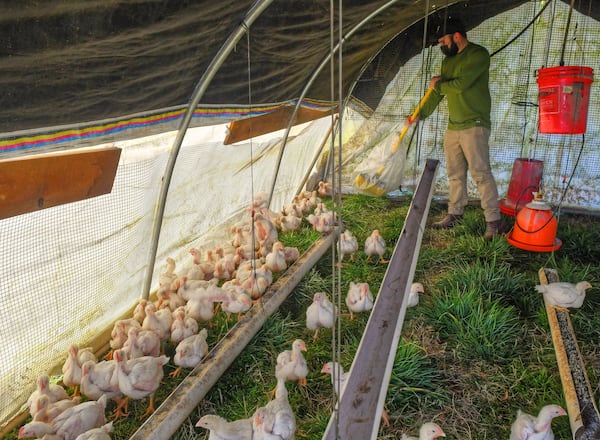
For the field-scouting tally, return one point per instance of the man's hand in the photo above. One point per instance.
(409, 120)
(434, 81)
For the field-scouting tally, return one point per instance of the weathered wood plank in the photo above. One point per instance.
(244, 129)
(32, 183)
(359, 410)
(581, 406)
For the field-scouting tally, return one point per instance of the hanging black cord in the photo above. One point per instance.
(557, 210)
(512, 40)
(526, 103)
(562, 53)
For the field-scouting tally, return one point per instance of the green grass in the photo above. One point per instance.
(475, 349)
(477, 327)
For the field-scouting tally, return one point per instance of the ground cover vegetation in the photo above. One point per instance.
(475, 349)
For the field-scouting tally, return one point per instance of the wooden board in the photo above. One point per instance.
(581, 407)
(279, 119)
(36, 182)
(360, 407)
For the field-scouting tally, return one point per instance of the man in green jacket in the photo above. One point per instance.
(464, 80)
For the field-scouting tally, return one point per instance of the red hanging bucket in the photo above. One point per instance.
(524, 181)
(563, 99)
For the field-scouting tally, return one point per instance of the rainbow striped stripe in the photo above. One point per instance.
(115, 127)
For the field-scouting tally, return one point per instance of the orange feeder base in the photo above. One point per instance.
(535, 228)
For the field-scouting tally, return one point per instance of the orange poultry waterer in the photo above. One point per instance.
(535, 227)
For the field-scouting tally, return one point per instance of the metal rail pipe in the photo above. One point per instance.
(201, 87)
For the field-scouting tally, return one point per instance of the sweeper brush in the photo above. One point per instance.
(372, 183)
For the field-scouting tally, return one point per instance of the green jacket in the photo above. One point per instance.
(465, 82)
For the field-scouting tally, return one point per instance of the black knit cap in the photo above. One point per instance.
(452, 25)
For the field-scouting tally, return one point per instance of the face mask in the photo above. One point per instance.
(451, 50)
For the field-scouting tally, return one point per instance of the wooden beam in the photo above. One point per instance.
(36, 182)
(358, 413)
(246, 128)
(581, 406)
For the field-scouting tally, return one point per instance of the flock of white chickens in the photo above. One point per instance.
(231, 276)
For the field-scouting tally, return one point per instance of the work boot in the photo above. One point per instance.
(447, 222)
(493, 228)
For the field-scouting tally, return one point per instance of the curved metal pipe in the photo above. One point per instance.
(201, 87)
(312, 79)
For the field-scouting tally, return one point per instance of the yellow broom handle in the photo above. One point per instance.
(412, 117)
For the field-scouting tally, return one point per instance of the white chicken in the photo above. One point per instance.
(221, 429)
(428, 431)
(190, 352)
(265, 231)
(347, 245)
(240, 235)
(320, 314)
(258, 282)
(289, 222)
(233, 298)
(139, 312)
(101, 433)
(225, 267)
(359, 298)
(35, 429)
(564, 295)
(338, 376)
(264, 272)
(323, 222)
(81, 418)
(206, 264)
(169, 298)
(275, 420)
(169, 275)
(182, 326)
(291, 254)
(141, 343)
(304, 203)
(324, 188)
(321, 208)
(72, 367)
(292, 209)
(528, 427)
(192, 272)
(375, 246)
(45, 388)
(158, 321)
(120, 332)
(413, 294)
(291, 364)
(191, 288)
(99, 379)
(260, 200)
(140, 377)
(46, 411)
(200, 307)
(275, 260)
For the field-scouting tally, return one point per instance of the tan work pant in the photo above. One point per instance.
(468, 150)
